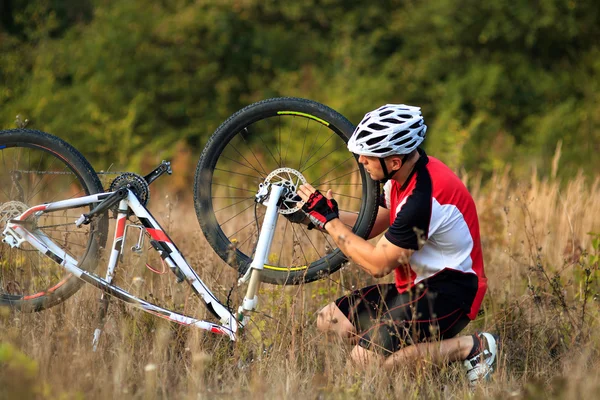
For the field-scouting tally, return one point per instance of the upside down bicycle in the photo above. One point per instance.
(54, 212)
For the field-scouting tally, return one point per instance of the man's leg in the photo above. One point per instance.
(331, 319)
(420, 318)
(354, 312)
(439, 353)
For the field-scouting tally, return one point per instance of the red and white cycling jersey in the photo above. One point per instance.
(434, 214)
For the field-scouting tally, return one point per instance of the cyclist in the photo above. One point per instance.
(431, 244)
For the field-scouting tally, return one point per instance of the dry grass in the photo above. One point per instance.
(543, 278)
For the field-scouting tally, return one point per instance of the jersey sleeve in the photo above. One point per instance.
(384, 198)
(382, 202)
(410, 228)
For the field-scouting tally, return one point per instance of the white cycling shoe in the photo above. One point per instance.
(481, 366)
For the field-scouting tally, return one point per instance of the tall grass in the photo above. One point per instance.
(542, 265)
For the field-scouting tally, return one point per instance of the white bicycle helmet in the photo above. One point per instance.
(391, 129)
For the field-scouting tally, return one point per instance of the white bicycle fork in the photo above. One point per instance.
(261, 255)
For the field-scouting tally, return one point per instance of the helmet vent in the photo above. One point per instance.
(377, 127)
(398, 136)
(362, 134)
(382, 150)
(383, 114)
(412, 143)
(375, 140)
(406, 116)
(416, 125)
(392, 120)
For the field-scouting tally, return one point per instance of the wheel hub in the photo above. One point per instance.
(291, 180)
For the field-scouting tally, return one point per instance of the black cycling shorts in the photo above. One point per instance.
(387, 320)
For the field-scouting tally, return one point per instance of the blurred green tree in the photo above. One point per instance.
(499, 82)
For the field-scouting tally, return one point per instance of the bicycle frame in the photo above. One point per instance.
(16, 233)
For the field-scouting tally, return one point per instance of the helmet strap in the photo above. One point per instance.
(388, 175)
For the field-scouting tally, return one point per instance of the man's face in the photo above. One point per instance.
(372, 166)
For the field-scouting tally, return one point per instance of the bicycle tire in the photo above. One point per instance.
(245, 127)
(37, 168)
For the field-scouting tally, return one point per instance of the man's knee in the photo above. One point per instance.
(330, 318)
(363, 358)
(358, 355)
(325, 319)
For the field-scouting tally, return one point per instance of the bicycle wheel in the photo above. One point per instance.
(280, 139)
(37, 168)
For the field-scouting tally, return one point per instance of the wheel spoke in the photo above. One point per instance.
(297, 238)
(234, 204)
(249, 165)
(242, 244)
(253, 153)
(233, 197)
(41, 179)
(278, 163)
(234, 187)
(304, 167)
(327, 238)
(237, 173)
(289, 141)
(333, 169)
(311, 242)
(322, 158)
(287, 223)
(4, 168)
(303, 144)
(253, 221)
(231, 218)
(337, 194)
(308, 153)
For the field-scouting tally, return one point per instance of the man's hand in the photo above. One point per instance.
(320, 209)
(298, 217)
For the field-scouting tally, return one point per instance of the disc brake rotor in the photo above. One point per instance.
(290, 179)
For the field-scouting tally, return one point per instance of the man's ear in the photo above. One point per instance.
(396, 162)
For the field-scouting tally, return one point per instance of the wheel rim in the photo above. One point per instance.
(32, 175)
(284, 140)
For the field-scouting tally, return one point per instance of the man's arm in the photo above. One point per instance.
(382, 221)
(377, 260)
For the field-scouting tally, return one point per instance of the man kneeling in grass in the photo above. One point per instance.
(431, 244)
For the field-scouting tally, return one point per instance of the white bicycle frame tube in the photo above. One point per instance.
(112, 265)
(169, 252)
